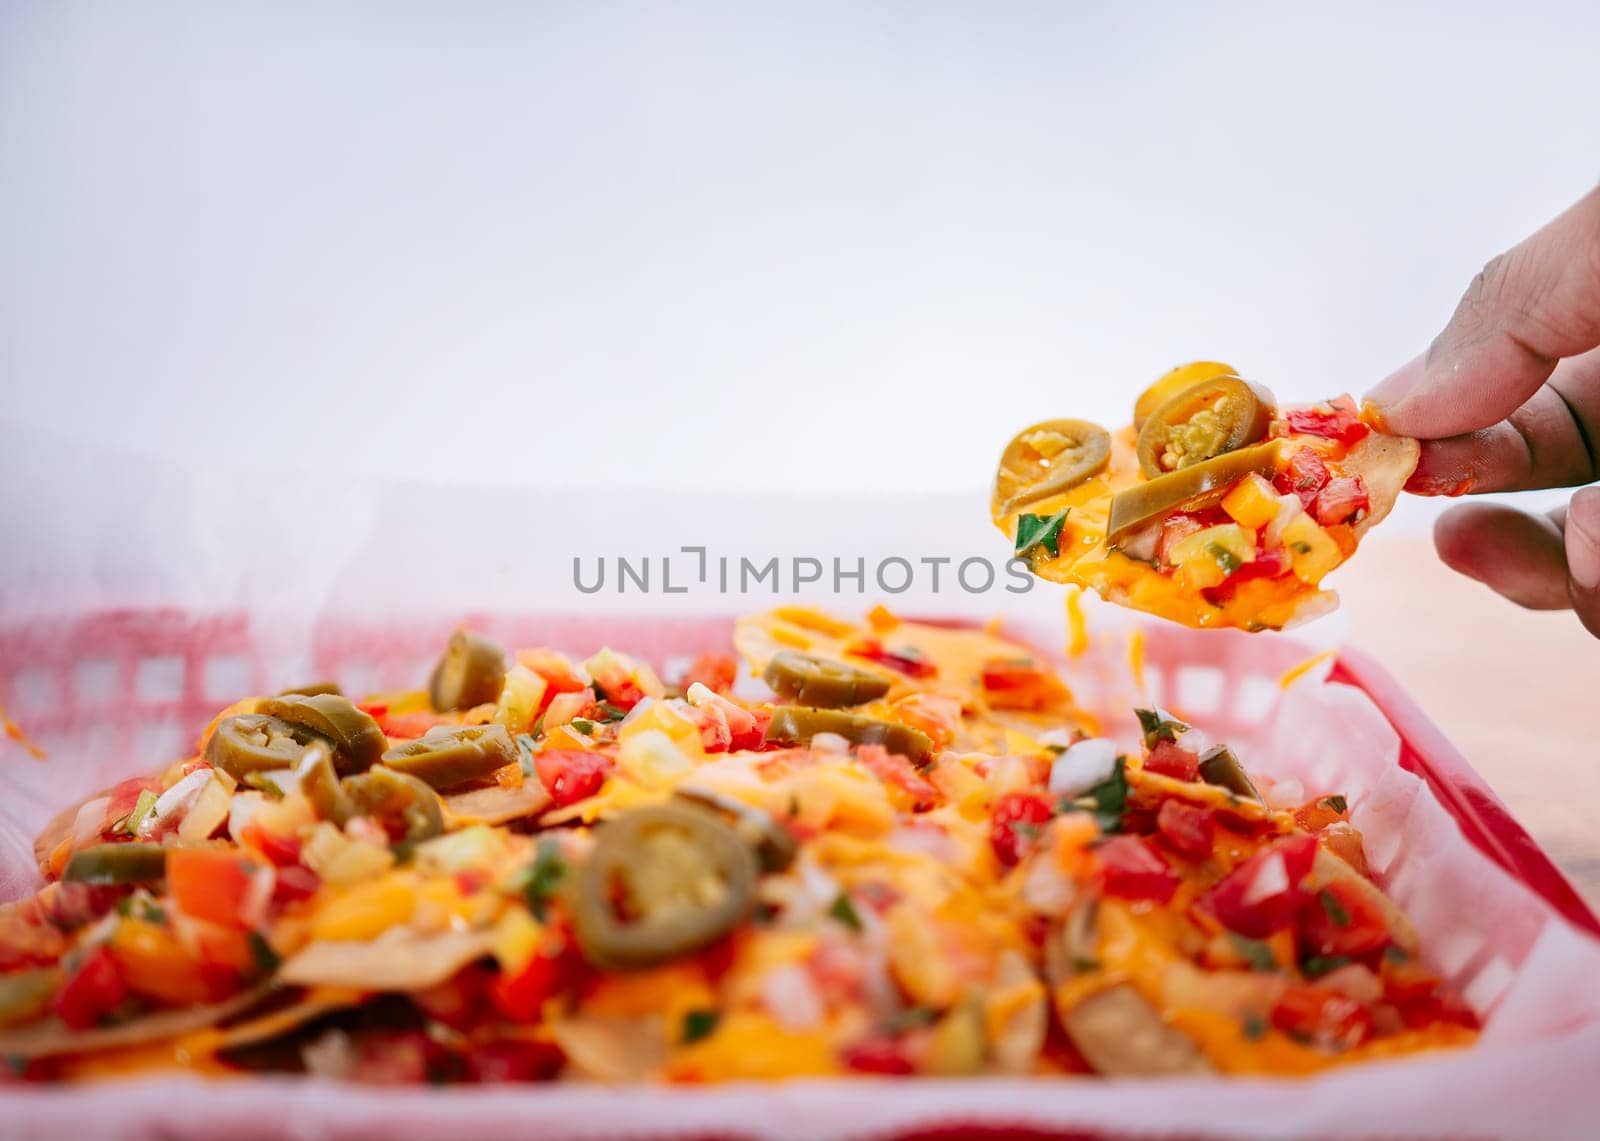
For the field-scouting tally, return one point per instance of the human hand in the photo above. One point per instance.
(1507, 398)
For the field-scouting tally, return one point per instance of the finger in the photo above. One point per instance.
(1516, 554)
(1549, 442)
(1582, 542)
(1526, 310)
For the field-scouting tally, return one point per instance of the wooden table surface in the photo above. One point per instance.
(1517, 691)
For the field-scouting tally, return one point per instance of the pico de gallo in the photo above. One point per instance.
(1215, 508)
(868, 848)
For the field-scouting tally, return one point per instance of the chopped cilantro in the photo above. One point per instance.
(258, 781)
(1158, 727)
(1027, 830)
(1300, 547)
(525, 751)
(911, 1018)
(1035, 531)
(583, 725)
(610, 713)
(1396, 954)
(1083, 964)
(1226, 559)
(1335, 909)
(845, 912)
(1254, 952)
(1254, 1027)
(698, 1024)
(543, 878)
(1106, 800)
(261, 951)
(794, 806)
(1318, 965)
(1335, 804)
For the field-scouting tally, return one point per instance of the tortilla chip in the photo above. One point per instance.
(398, 960)
(1384, 463)
(52, 1036)
(497, 804)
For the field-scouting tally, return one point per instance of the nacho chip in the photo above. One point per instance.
(1223, 510)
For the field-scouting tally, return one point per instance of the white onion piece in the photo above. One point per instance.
(1270, 881)
(91, 818)
(1286, 793)
(792, 998)
(1082, 766)
(829, 743)
(176, 800)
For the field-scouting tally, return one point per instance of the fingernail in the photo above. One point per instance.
(1397, 385)
(1583, 538)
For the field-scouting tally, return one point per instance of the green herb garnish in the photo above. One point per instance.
(583, 725)
(1226, 559)
(845, 912)
(1318, 965)
(698, 1024)
(142, 808)
(1158, 727)
(1336, 804)
(1106, 800)
(1035, 531)
(1254, 1027)
(610, 713)
(525, 751)
(543, 878)
(261, 951)
(1254, 952)
(1335, 909)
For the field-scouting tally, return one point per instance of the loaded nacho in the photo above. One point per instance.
(1214, 508)
(878, 847)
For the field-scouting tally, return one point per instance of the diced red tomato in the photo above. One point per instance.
(1332, 420)
(622, 680)
(1170, 759)
(514, 1060)
(725, 725)
(1323, 1017)
(1341, 500)
(94, 991)
(1342, 920)
(879, 1054)
(1015, 825)
(1131, 869)
(459, 1001)
(210, 883)
(571, 775)
(1343, 839)
(1304, 476)
(910, 663)
(1267, 564)
(284, 851)
(1265, 892)
(1187, 828)
(560, 676)
(406, 726)
(717, 672)
(894, 770)
(521, 996)
(1018, 683)
(293, 884)
(1178, 526)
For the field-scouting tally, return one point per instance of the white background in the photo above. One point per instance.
(800, 247)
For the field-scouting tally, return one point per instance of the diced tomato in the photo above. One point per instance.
(154, 964)
(894, 770)
(717, 672)
(621, 680)
(908, 661)
(407, 726)
(1342, 499)
(1304, 476)
(1178, 526)
(560, 676)
(1332, 420)
(1342, 920)
(521, 996)
(1265, 892)
(293, 884)
(1170, 759)
(514, 1060)
(1267, 564)
(571, 775)
(459, 1001)
(879, 1054)
(1343, 839)
(284, 851)
(210, 883)
(1017, 821)
(1019, 683)
(1323, 1017)
(725, 725)
(94, 991)
(935, 714)
(1187, 828)
(1131, 869)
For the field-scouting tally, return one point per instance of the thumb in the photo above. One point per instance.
(1526, 310)
(1582, 539)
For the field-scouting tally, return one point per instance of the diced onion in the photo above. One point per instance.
(1082, 766)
